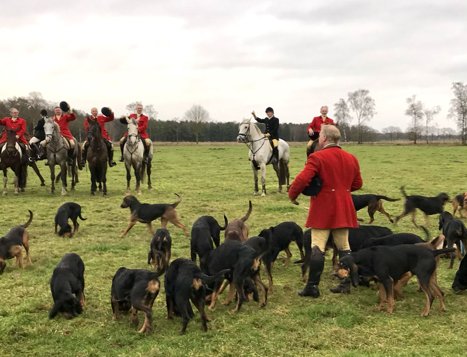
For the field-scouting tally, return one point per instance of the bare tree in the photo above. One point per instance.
(415, 112)
(458, 108)
(342, 115)
(363, 107)
(132, 106)
(429, 115)
(197, 115)
(392, 131)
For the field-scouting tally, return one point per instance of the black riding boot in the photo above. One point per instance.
(84, 154)
(314, 276)
(122, 146)
(344, 285)
(110, 153)
(34, 152)
(275, 154)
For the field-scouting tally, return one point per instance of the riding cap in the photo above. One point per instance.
(64, 106)
(106, 111)
(269, 109)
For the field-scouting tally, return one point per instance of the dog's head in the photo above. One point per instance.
(444, 218)
(65, 231)
(347, 268)
(443, 197)
(69, 305)
(127, 201)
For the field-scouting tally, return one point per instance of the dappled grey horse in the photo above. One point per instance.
(57, 154)
(260, 154)
(133, 152)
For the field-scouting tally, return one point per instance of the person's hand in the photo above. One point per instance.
(267, 135)
(17, 136)
(253, 113)
(294, 201)
(310, 131)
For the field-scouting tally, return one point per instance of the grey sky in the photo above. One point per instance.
(235, 56)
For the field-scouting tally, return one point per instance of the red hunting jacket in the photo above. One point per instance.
(101, 120)
(62, 122)
(18, 125)
(142, 125)
(316, 123)
(340, 174)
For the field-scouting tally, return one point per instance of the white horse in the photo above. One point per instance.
(133, 152)
(260, 154)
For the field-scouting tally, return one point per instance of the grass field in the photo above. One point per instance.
(216, 179)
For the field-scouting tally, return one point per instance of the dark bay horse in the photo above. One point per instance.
(97, 158)
(11, 157)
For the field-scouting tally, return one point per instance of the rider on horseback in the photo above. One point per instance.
(272, 130)
(37, 142)
(62, 120)
(142, 121)
(314, 128)
(19, 126)
(107, 116)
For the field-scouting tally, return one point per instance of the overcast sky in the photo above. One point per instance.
(235, 56)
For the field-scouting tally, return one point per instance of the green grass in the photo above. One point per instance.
(215, 180)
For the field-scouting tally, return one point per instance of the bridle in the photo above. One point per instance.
(249, 143)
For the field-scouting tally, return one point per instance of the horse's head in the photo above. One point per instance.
(50, 127)
(133, 135)
(11, 139)
(244, 131)
(94, 129)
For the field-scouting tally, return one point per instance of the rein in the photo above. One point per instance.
(249, 143)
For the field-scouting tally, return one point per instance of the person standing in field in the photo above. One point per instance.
(332, 209)
(142, 121)
(272, 130)
(314, 128)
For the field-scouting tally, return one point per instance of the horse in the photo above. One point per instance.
(133, 152)
(12, 157)
(260, 154)
(97, 158)
(57, 154)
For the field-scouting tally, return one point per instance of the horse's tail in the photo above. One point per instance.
(143, 169)
(283, 168)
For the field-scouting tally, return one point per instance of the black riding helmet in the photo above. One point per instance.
(269, 109)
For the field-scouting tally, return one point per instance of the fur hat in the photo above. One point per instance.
(64, 106)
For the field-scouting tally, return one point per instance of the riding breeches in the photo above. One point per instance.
(340, 235)
(34, 140)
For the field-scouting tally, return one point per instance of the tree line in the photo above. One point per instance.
(352, 116)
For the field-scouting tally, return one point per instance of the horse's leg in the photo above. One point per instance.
(255, 177)
(16, 182)
(104, 179)
(52, 175)
(5, 181)
(277, 169)
(64, 173)
(73, 175)
(138, 179)
(149, 174)
(128, 177)
(38, 173)
(93, 180)
(287, 175)
(263, 179)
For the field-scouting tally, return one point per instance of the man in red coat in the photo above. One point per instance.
(63, 121)
(332, 210)
(314, 128)
(101, 120)
(18, 125)
(143, 122)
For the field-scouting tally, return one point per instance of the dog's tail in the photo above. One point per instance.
(381, 197)
(207, 279)
(26, 225)
(175, 204)
(403, 191)
(247, 215)
(426, 231)
(226, 222)
(81, 217)
(443, 251)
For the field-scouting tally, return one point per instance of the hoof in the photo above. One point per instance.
(4, 193)
(256, 193)
(93, 193)
(42, 183)
(138, 192)
(263, 194)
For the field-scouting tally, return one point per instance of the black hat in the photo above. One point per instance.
(106, 111)
(44, 112)
(269, 109)
(64, 106)
(123, 120)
